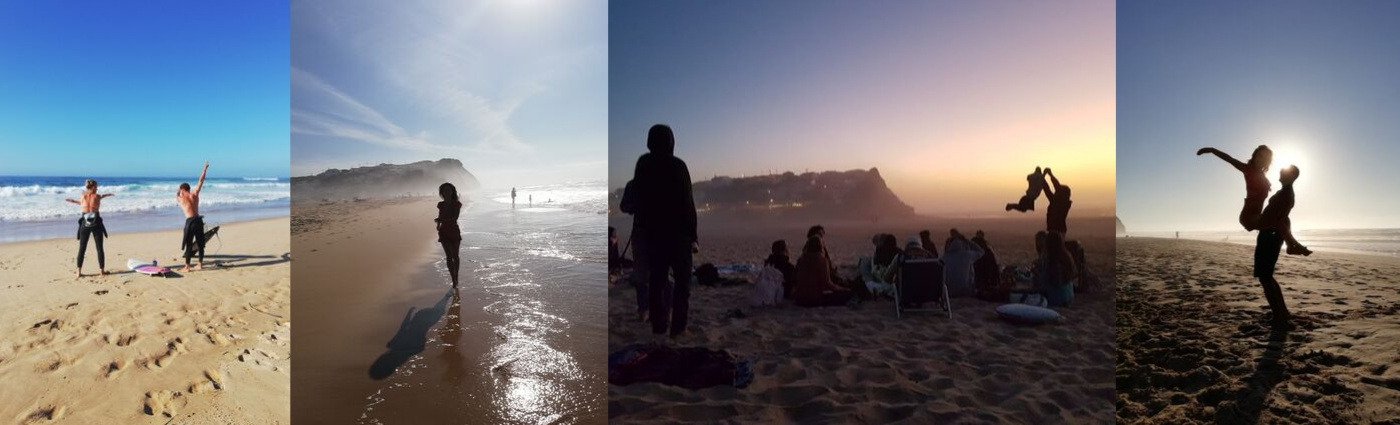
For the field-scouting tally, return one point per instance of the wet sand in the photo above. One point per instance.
(1195, 347)
(205, 347)
(388, 342)
(834, 365)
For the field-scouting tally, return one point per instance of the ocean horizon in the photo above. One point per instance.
(33, 207)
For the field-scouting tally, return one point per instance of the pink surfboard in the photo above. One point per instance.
(152, 270)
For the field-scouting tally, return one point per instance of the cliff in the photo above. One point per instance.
(384, 181)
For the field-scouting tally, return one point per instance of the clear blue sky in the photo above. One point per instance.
(143, 89)
(954, 101)
(1317, 81)
(516, 89)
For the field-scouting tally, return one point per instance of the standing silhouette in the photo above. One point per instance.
(665, 212)
(1057, 214)
(90, 224)
(449, 235)
(1272, 219)
(512, 198)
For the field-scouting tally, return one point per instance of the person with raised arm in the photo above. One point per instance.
(90, 224)
(192, 240)
(1257, 187)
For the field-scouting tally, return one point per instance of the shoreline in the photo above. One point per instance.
(125, 223)
(1251, 243)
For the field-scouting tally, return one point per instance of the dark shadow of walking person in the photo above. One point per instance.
(411, 338)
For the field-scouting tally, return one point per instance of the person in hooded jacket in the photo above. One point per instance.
(665, 213)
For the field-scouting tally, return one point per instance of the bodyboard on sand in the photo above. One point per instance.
(146, 268)
(1027, 314)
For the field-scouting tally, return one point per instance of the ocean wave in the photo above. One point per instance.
(260, 179)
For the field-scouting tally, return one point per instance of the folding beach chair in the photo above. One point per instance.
(921, 281)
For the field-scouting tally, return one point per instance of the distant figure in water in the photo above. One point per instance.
(449, 235)
(665, 215)
(1057, 213)
(532, 200)
(512, 198)
(1178, 235)
(1256, 185)
(193, 238)
(90, 224)
(1035, 183)
(1271, 221)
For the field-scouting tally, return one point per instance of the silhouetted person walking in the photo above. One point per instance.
(449, 234)
(512, 198)
(665, 212)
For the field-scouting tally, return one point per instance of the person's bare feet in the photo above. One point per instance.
(102, 272)
(199, 266)
(80, 274)
(1299, 250)
(186, 269)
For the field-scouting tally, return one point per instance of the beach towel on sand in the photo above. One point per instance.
(768, 289)
(693, 368)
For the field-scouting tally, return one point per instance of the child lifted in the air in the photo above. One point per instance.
(1035, 183)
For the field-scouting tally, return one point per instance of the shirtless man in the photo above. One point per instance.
(193, 239)
(90, 224)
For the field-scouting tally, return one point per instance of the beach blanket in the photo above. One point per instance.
(693, 367)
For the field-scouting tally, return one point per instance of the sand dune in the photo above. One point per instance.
(210, 346)
(865, 366)
(1195, 347)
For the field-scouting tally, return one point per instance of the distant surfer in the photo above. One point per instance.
(532, 200)
(90, 224)
(193, 238)
(449, 235)
(512, 198)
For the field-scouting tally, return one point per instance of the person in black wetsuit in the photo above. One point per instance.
(449, 235)
(192, 240)
(665, 215)
(90, 224)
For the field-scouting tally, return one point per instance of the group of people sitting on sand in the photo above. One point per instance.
(969, 265)
(90, 225)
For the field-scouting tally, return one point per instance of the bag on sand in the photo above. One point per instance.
(768, 289)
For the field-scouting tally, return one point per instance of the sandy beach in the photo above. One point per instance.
(370, 281)
(205, 347)
(1194, 346)
(833, 364)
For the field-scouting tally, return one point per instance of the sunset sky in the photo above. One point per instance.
(954, 102)
(1316, 81)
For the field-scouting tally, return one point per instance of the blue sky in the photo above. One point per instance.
(1319, 82)
(954, 101)
(143, 89)
(516, 89)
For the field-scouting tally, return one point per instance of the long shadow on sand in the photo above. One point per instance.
(411, 338)
(1269, 371)
(230, 261)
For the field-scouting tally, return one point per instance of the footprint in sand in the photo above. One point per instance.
(46, 414)
(121, 340)
(213, 335)
(259, 358)
(211, 381)
(163, 403)
(115, 368)
(177, 347)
